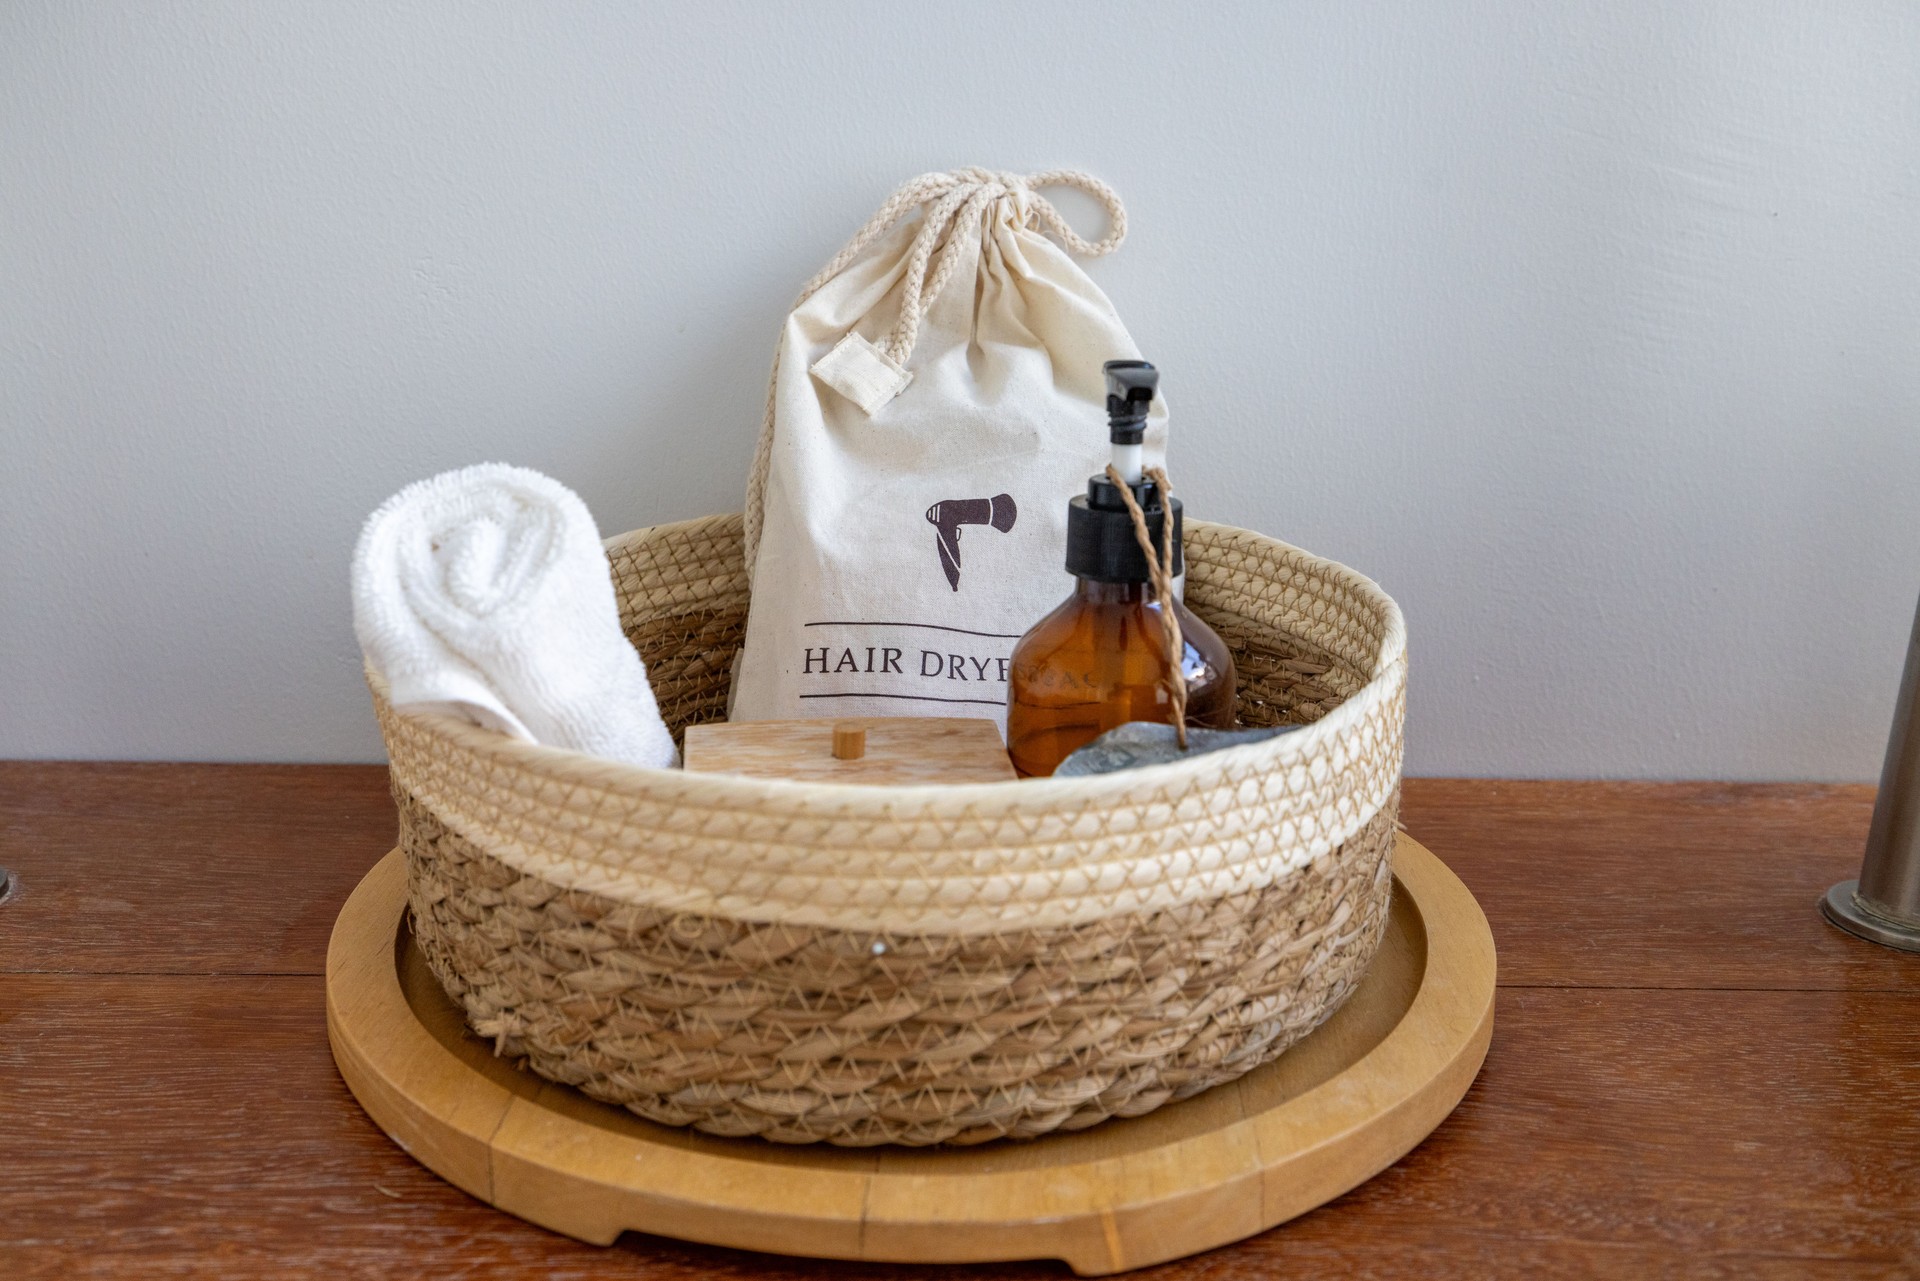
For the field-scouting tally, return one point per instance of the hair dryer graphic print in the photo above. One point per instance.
(948, 516)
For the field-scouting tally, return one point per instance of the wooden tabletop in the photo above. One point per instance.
(1691, 1073)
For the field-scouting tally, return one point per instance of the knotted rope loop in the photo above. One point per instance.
(1160, 571)
(1049, 217)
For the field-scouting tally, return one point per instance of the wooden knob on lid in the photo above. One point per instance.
(849, 742)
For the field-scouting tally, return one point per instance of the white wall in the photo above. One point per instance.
(1591, 331)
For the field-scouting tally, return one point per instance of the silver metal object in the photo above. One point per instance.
(6, 884)
(1884, 904)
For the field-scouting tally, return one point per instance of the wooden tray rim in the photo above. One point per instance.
(547, 1154)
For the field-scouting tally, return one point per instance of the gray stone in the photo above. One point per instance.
(1145, 743)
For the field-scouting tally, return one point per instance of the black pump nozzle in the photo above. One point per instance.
(1130, 388)
(1101, 543)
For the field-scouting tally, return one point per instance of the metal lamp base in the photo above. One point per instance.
(1842, 907)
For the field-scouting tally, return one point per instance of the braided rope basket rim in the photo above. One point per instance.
(857, 964)
(574, 818)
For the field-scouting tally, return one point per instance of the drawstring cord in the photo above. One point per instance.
(955, 204)
(958, 201)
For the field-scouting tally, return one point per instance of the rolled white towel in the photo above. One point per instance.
(484, 593)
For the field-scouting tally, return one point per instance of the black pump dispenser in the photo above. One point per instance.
(1130, 388)
(1100, 540)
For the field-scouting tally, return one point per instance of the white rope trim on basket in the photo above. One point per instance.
(1207, 837)
(954, 203)
(978, 858)
(685, 875)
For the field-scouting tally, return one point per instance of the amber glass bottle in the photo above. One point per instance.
(1100, 659)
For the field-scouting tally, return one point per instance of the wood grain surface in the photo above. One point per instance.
(1346, 1102)
(901, 750)
(1693, 1075)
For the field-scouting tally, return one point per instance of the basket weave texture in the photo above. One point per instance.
(917, 965)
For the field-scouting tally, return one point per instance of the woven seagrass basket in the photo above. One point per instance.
(916, 965)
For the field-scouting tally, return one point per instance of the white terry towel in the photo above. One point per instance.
(484, 593)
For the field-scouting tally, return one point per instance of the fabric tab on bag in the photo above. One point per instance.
(862, 373)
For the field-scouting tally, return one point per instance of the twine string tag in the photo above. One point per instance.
(1160, 572)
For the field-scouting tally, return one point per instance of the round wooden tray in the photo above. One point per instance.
(1330, 1113)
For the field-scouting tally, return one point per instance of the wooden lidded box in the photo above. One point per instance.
(897, 751)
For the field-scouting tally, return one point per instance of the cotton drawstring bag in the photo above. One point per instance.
(936, 399)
